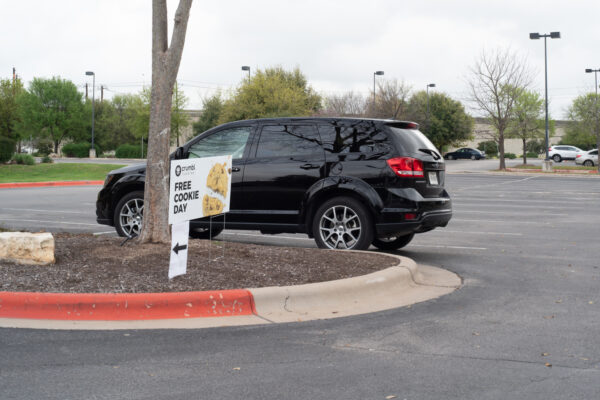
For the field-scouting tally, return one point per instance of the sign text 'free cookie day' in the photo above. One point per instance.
(199, 187)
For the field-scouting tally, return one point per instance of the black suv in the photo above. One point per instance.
(347, 183)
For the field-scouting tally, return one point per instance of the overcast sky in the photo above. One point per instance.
(337, 44)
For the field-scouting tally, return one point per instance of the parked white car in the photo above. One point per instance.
(587, 158)
(563, 152)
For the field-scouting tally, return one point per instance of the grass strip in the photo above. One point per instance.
(54, 172)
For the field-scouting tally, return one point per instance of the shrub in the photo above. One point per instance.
(512, 156)
(535, 146)
(45, 146)
(130, 151)
(7, 149)
(490, 148)
(80, 150)
(532, 154)
(24, 159)
(47, 160)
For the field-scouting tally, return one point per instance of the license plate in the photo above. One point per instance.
(433, 179)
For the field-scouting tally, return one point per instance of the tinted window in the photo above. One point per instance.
(594, 152)
(411, 141)
(288, 140)
(230, 141)
(361, 137)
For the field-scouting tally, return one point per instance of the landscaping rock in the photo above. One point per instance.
(27, 248)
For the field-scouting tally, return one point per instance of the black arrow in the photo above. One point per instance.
(178, 247)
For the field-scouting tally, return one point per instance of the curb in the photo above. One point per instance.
(125, 306)
(397, 286)
(15, 185)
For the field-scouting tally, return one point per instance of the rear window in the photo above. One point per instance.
(412, 141)
(361, 137)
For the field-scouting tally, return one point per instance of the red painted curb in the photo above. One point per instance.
(125, 306)
(14, 185)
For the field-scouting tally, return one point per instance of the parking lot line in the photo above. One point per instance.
(47, 222)
(478, 232)
(45, 211)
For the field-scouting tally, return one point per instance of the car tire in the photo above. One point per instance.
(450, 157)
(588, 163)
(393, 242)
(205, 233)
(129, 213)
(343, 223)
(473, 158)
(557, 158)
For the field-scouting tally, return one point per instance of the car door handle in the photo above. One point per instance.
(235, 169)
(310, 166)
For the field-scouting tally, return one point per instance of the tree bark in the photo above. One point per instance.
(165, 65)
(524, 151)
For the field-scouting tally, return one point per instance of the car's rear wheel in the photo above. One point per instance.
(205, 233)
(557, 158)
(473, 157)
(129, 214)
(343, 223)
(393, 242)
(588, 163)
(450, 157)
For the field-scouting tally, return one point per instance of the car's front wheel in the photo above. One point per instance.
(393, 242)
(557, 158)
(450, 157)
(129, 214)
(588, 163)
(343, 223)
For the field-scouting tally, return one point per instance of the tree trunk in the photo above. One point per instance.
(501, 150)
(524, 151)
(165, 65)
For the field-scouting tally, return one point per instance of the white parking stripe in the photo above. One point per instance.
(49, 222)
(447, 247)
(441, 230)
(45, 211)
(508, 213)
(263, 236)
(500, 222)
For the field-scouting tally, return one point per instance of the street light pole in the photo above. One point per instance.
(535, 36)
(246, 68)
(93, 150)
(374, 74)
(595, 71)
(427, 115)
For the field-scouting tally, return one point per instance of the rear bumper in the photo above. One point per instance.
(426, 221)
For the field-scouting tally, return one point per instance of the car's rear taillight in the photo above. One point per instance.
(578, 155)
(407, 167)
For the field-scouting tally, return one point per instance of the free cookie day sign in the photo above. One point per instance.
(199, 187)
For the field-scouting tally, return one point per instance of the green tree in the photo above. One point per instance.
(211, 112)
(179, 118)
(273, 92)
(447, 125)
(583, 114)
(9, 109)
(53, 108)
(526, 123)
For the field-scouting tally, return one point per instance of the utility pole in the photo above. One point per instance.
(86, 91)
(14, 80)
(101, 93)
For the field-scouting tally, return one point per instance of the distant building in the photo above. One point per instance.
(482, 130)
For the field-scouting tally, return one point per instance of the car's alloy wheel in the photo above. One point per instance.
(393, 242)
(343, 223)
(473, 157)
(450, 157)
(129, 214)
(556, 158)
(588, 163)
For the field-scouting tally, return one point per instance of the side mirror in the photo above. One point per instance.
(179, 153)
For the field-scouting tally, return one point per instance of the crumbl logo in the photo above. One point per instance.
(178, 170)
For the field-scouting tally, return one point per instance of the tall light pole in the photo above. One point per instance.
(595, 71)
(427, 115)
(374, 74)
(535, 36)
(246, 68)
(93, 150)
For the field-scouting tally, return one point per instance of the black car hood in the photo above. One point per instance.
(140, 168)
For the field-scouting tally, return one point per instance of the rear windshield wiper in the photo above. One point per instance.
(433, 153)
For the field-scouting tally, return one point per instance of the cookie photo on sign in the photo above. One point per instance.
(211, 206)
(218, 180)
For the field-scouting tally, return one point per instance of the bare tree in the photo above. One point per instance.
(391, 99)
(495, 82)
(165, 65)
(347, 104)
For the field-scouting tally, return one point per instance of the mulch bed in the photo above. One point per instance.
(97, 264)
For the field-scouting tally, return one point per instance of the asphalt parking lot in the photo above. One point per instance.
(525, 324)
